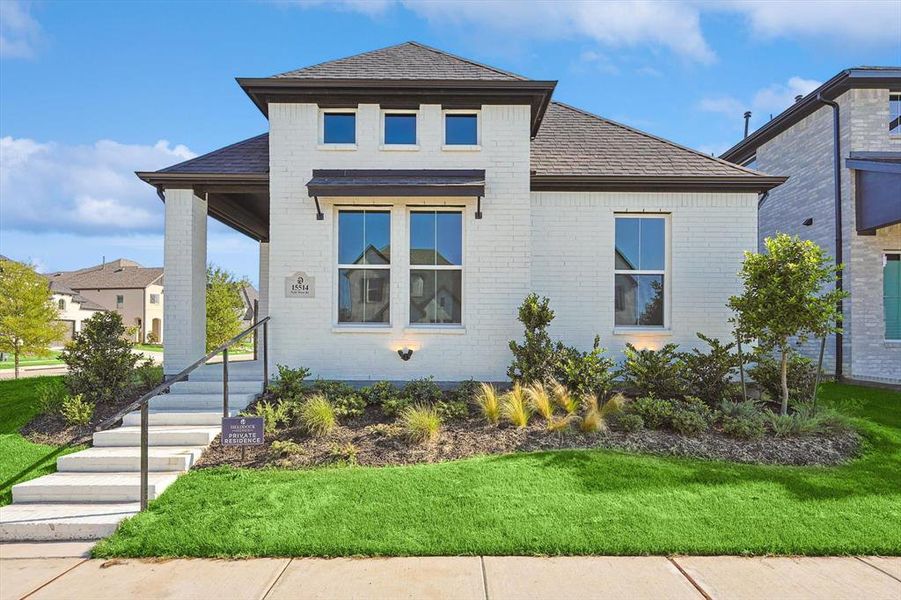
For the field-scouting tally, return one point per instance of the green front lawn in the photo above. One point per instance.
(568, 502)
(32, 361)
(20, 459)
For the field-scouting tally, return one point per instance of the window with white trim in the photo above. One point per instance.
(891, 294)
(894, 113)
(338, 127)
(364, 266)
(154, 298)
(436, 267)
(640, 271)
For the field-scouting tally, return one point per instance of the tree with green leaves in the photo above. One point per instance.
(787, 295)
(100, 359)
(28, 320)
(223, 306)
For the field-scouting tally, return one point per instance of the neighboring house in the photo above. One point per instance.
(800, 143)
(249, 299)
(122, 285)
(73, 308)
(409, 198)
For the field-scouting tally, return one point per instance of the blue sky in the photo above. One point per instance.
(92, 91)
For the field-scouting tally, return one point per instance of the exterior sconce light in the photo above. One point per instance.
(808, 221)
(405, 353)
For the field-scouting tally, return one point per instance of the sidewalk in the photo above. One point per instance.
(62, 570)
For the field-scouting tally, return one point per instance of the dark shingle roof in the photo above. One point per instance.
(574, 142)
(409, 60)
(247, 156)
(122, 274)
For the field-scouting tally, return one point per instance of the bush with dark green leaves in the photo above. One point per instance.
(801, 376)
(710, 375)
(50, 395)
(654, 372)
(586, 373)
(451, 410)
(290, 382)
(467, 391)
(688, 422)
(148, 375)
(379, 393)
(100, 359)
(535, 360)
(348, 405)
(743, 427)
(654, 412)
(627, 422)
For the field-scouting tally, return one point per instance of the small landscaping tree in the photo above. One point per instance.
(223, 306)
(28, 320)
(784, 298)
(535, 360)
(100, 360)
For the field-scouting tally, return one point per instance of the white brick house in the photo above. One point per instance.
(800, 143)
(422, 196)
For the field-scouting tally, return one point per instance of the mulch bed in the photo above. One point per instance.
(376, 441)
(52, 429)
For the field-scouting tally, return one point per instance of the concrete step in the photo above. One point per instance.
(90, 487)
(158, 435)
(215, 387)
(48, 522)
(119, 459)
(237, 371)
(179, 417)
(199, 402)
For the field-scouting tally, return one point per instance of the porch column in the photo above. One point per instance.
(264, 279)
(184, 316)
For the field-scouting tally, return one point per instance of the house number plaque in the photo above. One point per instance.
(300, 285)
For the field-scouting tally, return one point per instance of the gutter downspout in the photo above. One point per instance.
(837, 177)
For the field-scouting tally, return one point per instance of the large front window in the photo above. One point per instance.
(640, 271)
(364, 266)
(436, 267)
(891, 294)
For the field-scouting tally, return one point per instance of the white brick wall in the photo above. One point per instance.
(496, 255)
(184, 322)
(804, 152)
(573, 260)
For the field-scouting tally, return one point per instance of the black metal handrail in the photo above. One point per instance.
(143, 402)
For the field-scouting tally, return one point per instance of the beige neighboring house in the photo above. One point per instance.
(122, 285)
(73, 308)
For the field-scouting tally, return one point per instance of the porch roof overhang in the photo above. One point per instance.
(877, 189)
(397, 182)
(240, 201)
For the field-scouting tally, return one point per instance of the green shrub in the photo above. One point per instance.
(348, 405)
(100, 359)
(148, 375)
(687, 422)
(332, 389)
(451, 410)
(50, 396)
(628, 422)
(745, 410)
(515, 408)
(785, 425)
(654, 372)
(421, 423)
(654, 412)
(274, 414)
(317, 415)
(76, 410)
(423, 391)
(695, 405)
(709, 375)
(743, 427)
(828, 420)
(586, 373)
(801, 376)
(290, 382)
(394, 406)
(489, 403)
(536, 359)
(379, 393)
(283, 448)
(344, 454)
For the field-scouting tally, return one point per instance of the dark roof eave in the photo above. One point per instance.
(186, 180)
(832, 89)
(425, 91)
(591, 183)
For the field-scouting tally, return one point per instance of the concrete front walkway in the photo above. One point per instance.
(62, 570)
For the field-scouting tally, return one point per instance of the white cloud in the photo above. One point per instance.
(20, 34)
(867, 22)
(772, 99)
(598, 62)
(85, 190)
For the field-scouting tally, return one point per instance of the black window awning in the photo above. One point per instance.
(877, 183)
(397, 182)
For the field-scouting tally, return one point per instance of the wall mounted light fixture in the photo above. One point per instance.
(808, 221)
(405, 353)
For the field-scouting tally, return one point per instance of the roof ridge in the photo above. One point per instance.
(466, 60)
(331, 60)
(660, 139)
(214, 152)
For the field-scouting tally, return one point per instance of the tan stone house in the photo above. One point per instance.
(122, 285)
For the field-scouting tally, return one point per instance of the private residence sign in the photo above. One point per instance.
(242, 431)
(300, 285)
